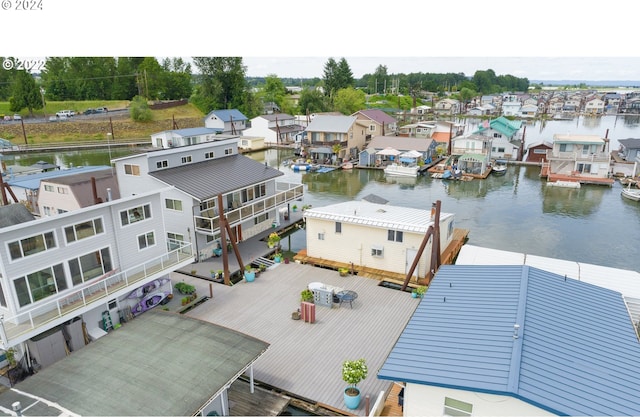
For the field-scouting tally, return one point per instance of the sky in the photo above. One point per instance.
(541, 40)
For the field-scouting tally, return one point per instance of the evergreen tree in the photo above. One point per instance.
(25, 93)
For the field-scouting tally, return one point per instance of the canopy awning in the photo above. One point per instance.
(473, 157)
(389, 152)
(411, 154)
(321, 150)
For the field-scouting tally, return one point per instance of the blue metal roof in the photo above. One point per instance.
(32, 181)
(226, 114)
(576, 350)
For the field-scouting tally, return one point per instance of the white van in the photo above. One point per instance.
(65, 113)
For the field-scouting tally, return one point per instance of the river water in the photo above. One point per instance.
(515, 212)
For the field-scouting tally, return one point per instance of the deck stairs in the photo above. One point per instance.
(263, 261)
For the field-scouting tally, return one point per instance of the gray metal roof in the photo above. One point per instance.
(630, 143)
(32, 181)
(574, 353)
(159, 364)
(326, 123)
(204, 180)
(14, 214)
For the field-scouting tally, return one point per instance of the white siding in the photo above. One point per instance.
(422, 400)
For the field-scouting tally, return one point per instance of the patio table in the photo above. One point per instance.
(347, 296)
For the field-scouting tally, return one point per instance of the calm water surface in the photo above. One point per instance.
(516, 212)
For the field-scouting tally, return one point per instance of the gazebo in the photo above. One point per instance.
(386, 156)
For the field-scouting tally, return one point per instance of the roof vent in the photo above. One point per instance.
(516, 329)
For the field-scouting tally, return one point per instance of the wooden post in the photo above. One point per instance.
(210, 290)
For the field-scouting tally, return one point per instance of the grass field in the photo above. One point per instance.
(96, 128)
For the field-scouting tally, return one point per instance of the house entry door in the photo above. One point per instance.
(411, 256)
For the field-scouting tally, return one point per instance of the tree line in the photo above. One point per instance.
(222, 83)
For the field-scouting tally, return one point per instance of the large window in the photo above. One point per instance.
(90, 266)
(48, 188)
(338, 227)
(377, 251)
(40, 284)
(132, 169)
(173, 204)
(162, 164)
(135, 214)
(146, 240)
(31, 245)
(83, 230)
(254, 192)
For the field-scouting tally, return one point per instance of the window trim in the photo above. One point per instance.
(134, 170)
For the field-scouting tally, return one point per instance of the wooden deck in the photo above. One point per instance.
(304, 359)
(545, 172)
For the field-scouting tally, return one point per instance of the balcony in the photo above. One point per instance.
(284, 193)
(555, 155)
(57, 310)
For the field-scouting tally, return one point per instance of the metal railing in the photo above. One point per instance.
(577, 156)
(287, 192)
(12, 328)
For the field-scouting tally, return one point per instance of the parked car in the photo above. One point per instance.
(101, 110)
(17, 117)
(65, 113)
(90, 111)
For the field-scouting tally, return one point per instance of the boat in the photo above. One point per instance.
(630, 194)
(148, 302)
(401, 170)
(297, 167)
(347, 165)
(147, 288)
(564, 184)
(500, 167)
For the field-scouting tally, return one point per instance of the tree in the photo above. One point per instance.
(177, 83)
(139, 110)
(312, 101)
(6, 80)
(349, 100)
(378, 80)
(222, 83)
(337, 75)
(274, 91)
(25, 93)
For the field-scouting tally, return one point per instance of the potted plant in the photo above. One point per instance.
(249, 274)
(295, 207)
(343, 271)
(262, 267)
(352, 373)
(10, 354)
(220, 273)
(306, 295)
(274, 240)
(419, 291)
(184, 288)
(213, 273)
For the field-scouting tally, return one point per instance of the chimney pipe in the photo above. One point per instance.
(108, 194)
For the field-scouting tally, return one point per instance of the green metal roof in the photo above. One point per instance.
(159, 364)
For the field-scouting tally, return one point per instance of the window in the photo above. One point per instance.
(48, 188)
(162, 164)
(3, 300)
(62, 190)
(456, 407)
(146, 240)
(497, 135)
(320, 236)
(83, 230)
(501, 150)
(209, 155)
(540, 151)
(254, 192)
(40, 284)
(173, 204)
(31, 245)
(90, 266)
(394, 235)
(47, 210)
(174, 240)
(135, 214)
(132, 169)
(261, 218)
(186, 159)
(372, 128)
(228, 151)
(60, 211)
(376, 251)
(338, 227)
